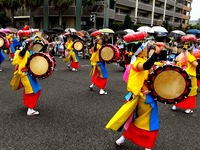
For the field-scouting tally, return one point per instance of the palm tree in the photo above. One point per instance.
(10, 6)
(61, 6)
(32, 5)
(88, 3)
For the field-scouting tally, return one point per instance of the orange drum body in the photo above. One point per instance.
(38, 45)
(78, 45)
(4, 42)
(169, 84)
(109, 53)
(41, 65)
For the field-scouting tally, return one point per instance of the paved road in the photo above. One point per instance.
(73, 118)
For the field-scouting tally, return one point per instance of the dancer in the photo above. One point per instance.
(188, 62)
(22, 78)
(139, 115)
(98, 72)
(72, 55)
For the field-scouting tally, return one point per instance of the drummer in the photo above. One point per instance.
(72, 55)
(98, 71)
(138, 127)
(22, 78)
(187, 61)
(163, 37)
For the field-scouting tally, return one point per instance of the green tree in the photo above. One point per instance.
(10, 6)
(4, 20)
(32, 5)
(88, 3)
(61, 6)
(127, 22)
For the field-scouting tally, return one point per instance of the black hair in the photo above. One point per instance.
(134, 46)
(24, 49)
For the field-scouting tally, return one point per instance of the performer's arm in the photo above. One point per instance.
(195, 63)
(95, 47)
(150, 62)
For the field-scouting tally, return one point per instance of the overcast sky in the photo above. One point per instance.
(195, 13)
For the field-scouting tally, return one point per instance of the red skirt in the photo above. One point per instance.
(198, 83)
(98, 81)
(30, 100)
(188, 103)
(141, 137)
(74, 65)
(12, 55)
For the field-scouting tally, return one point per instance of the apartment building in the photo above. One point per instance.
(147, 12)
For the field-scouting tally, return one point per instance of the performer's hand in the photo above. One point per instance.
(159, 47)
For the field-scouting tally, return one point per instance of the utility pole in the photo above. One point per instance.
(152, 15)
(174, 13)
(164, 13)
(136, 12)
(46, 14)
(78, 14)
(106, 13)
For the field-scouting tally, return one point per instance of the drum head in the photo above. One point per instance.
(39, 65)
(37, 47)
(2, 42)
(169, 84)
(78, 46)
(107, 53)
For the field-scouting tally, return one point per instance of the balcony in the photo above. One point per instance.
(159, 10)
(119, 17)
(179, 5)
(144, 20)
(187, 8)
(184, 26)
(185, 17)
(178, 15)
(71, 11)
(163, 1)
(126, 3)
(143, 6)
(169, 13)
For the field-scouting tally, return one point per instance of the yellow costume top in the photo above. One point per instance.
(95, 55)
(9, 37)
(136, 78)
(69, 45)
(20, 61)
(190, 69)
(20, 75)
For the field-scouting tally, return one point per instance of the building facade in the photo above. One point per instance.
(147, 12)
